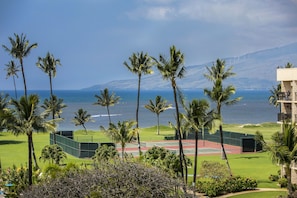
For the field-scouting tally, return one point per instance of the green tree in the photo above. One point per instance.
(4, 104)
(56, 105)
(105, 153)
(53, 153)
(105, 99)
(158, 107)
(171, 69)
(140, 64)
(81, 117)
(20, 48)
(123, 133)
(12, 70)
(217, 73)
(197, 115)
(25, 118)
(283, 150)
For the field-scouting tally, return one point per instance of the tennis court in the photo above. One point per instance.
(204, 147)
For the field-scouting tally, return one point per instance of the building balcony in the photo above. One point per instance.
(284, 116)
(284, 96)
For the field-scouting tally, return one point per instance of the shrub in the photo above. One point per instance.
(18, 177)
(213, 187)
(213, 170)
(273, 177)
(118, 179)
(283, 182)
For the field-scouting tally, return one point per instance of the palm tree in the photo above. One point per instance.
(53, 153)
(12, 70)
(140, 63)
(81, 117)
(20, 48)
(24, 118)
(105, 99)
(283, 150)
(123, 133)
(197, 116)
(171, 69)
(158, 107)
(56, 105)
(220, 95)
(48, 65)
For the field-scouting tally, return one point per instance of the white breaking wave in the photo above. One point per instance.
(104, 115)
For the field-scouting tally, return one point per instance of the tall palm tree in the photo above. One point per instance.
(48, 65)
(197, 116)
(171, 69)
(220, 95)
(20, 48)
(24, 118)
(12, 70)
(123, 133)
(81, 117)
(140, 64)
(158, 107)
(105, 99)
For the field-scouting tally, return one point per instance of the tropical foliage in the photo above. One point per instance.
(53, 154)
(118, 179)
(20, 48)
(122, 133)
(105, 99)
(283, 150)
(140, 64)
(158, 107)
(221, 95)
(81, 117)
(171, 69)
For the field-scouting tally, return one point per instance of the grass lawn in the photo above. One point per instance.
(268, 194)
(13, 150)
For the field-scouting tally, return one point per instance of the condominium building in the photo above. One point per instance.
(287, 98)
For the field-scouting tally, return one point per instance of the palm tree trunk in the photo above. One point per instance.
(15, 90)
(34, 156)
(224, 154)
(24, 79)
(137, 109)
(289, 178)
(195, 160)
(108, 114)
(158, 124)
(30, 158)
(181, 152)
(53, 110)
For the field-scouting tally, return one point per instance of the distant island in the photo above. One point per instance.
(255, 70)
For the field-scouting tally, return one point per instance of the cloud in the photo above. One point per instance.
(230, 12)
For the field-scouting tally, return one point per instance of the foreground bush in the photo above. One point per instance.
(213, 187)
(119, 179)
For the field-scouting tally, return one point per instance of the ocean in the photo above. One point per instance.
(254, 107)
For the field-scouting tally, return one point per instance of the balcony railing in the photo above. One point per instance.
(283, 116)
(284, 96)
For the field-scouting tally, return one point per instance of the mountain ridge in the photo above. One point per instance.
(255, 70)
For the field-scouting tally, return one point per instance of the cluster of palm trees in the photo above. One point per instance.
(25, 118)
(197, 114)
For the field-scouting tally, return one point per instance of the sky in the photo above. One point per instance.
(92, 38)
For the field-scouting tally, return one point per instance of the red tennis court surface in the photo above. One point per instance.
(204, 147)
